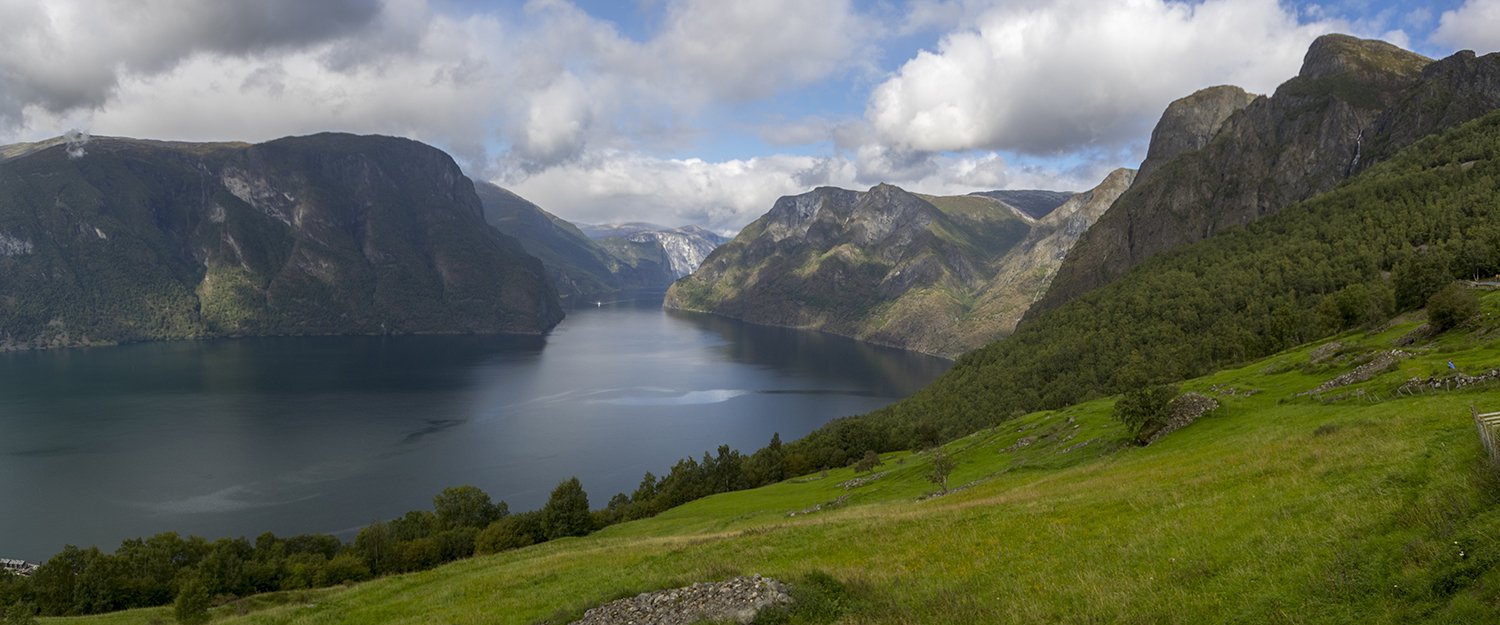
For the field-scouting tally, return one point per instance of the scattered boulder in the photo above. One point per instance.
(737, 600)
(1023, 442)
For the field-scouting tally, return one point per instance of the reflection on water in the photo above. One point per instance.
(325, 434)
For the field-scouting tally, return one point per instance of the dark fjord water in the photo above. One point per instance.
(294, 435)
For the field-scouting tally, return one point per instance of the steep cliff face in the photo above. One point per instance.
(326, 234)
(1354, 103)
(1189, 123)
(935, 274)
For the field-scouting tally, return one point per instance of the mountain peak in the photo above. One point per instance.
(1189, 123)
(1336, 55)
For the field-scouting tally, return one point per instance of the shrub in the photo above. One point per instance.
(191, 607)
(1450, 306)
(507, 533)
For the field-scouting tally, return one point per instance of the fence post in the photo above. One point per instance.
(1487, 436)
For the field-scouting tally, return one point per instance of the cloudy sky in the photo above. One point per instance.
(684, 111)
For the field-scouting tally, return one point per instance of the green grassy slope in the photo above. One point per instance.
(1276, 508)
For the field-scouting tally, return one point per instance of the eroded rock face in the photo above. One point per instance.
(1189, 123)
(1354, 103)
(737, 600)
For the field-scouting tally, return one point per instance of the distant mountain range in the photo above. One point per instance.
(936, 274)
(685, 247)
(590, 260)
(124, 240)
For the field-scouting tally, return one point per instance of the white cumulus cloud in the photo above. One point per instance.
(1475, 26)
(1053, 77)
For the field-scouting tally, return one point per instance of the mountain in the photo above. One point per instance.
(684, 248)
(128, 240)
(1025, 271)
(588, 261)
(1220, 159)
(577, 266)
(940, 275)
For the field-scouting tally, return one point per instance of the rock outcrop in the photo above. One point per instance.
(1189, 123)
(1354, 103)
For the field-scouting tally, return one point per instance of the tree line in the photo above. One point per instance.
(194, 572)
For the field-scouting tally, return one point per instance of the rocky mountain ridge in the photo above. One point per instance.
(1218, 161)
(935, 274)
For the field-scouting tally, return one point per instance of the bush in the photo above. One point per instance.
(867, 463)
(503, 535)
(1450, 306)
(191, 607)
(1145, 410)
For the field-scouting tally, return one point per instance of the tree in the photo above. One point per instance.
(1450, 306)
(567, 511)
(942, 466)
(191, 607)
(1145, 410)
(466, 506)
(1417, 275)
(769, 465)
(867, 463)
